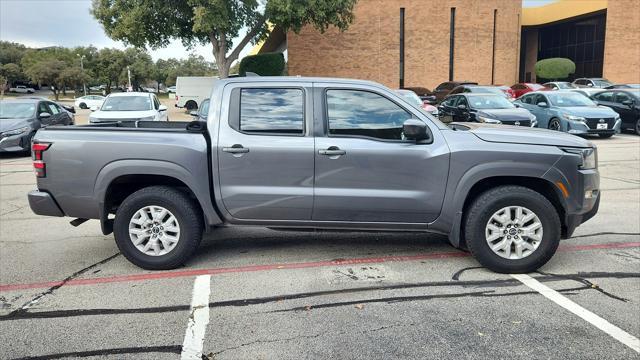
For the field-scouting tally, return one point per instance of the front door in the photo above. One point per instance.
(265, 152)
(364, 169)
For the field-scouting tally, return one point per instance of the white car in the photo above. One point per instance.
(129, 106)
(89, 101)
(171, 89)
(22, 89)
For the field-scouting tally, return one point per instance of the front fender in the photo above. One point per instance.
(451, 217)
(119, 168)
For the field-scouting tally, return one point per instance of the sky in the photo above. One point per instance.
(40, 23)
(68, 23)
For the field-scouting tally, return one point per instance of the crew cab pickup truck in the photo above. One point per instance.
(22, 89)
(295, 152)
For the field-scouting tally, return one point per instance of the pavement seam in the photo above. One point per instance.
(50, 290)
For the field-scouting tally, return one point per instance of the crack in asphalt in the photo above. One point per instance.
(212, 355)
(586, 282)
(604, 233)
(25, 314)
(25, 307)
(171, 349)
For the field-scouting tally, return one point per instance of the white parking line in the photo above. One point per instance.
(595, 320)
(198, 319)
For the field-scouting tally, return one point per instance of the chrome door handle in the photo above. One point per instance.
(236, 149)
(332, 151)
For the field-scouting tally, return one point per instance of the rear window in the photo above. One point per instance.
(127, 103)
(273, 111)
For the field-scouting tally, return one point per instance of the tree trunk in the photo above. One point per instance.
(56, 93)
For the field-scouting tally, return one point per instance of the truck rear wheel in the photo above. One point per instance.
(512, 229)
(158, 228)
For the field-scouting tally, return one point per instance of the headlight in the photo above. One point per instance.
(574, 118)
(488, 120)
(589, 157)
(16, 131)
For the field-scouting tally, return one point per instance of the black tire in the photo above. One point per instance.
(191, 105)
(555, 124)
(186, 212)
(480, 212)
(605, 136)
(637, 129)
(82, 106)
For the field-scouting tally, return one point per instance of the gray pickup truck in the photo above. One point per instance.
(295, 152)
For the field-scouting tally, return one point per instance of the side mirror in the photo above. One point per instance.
(590, 85)
(516, 104)
(543, 104)
(627, 102)
(194, 113)
(44, 115)
(162, 108)
(93, 108)
(414, 129)
(462, 107)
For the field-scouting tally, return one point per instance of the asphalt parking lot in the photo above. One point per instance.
(252, 293)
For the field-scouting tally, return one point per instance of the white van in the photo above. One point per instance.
(192, 90)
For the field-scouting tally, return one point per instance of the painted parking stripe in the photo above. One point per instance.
(283, 266)
(198, 319)
(595, 320)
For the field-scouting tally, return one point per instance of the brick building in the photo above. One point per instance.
(426, 42)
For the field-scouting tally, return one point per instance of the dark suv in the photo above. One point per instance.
(625, 102)
(442, 90)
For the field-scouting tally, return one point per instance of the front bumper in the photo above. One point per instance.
(16, 143)
(42, 203)
(580, 128)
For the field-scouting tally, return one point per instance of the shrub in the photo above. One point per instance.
(555, 68)
(267, 64)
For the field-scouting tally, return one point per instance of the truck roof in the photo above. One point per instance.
(296, 79)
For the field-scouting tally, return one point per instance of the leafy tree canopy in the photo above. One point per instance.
(555, 68)
(218, 22)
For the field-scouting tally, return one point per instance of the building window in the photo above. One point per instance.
(452, 30)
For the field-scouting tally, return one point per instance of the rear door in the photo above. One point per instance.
(265, 151)
(628, 113)
(364, 170)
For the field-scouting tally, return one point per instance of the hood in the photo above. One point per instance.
(516, 114)
(12, 124)
(120, 115)
(588, 111)
(520, 135)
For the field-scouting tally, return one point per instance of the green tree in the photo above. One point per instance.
(8, 74)
(108, 65)
(555, 68)
(217, 22)
(139, 64)
(194, 65)
(48, 71)
(160, 72)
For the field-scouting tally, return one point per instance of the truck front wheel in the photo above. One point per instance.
(512, 229)
(158, 228)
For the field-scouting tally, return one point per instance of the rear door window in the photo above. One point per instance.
(620, 97)
(54, 108)
(272, 111)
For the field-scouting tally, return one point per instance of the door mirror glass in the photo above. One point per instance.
(44, 115)
(93, 108)
(627, 102)
(543, 104)
(462, 107)
(162, 108)
(414, 129)
(590, 85)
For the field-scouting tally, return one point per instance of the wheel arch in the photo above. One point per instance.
(120, 179)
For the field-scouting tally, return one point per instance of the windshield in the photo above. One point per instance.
(567, 100)
(127, 103)
(565, 85)
(16, 110)
(410, 96)
(489, 102)
(602, 82)
(486, 89)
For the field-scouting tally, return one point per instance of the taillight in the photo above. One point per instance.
(39, 166)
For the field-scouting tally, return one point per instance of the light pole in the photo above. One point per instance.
(84, 85)
(129, 76)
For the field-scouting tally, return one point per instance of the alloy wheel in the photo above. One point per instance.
(154, 230)
(514, 232)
